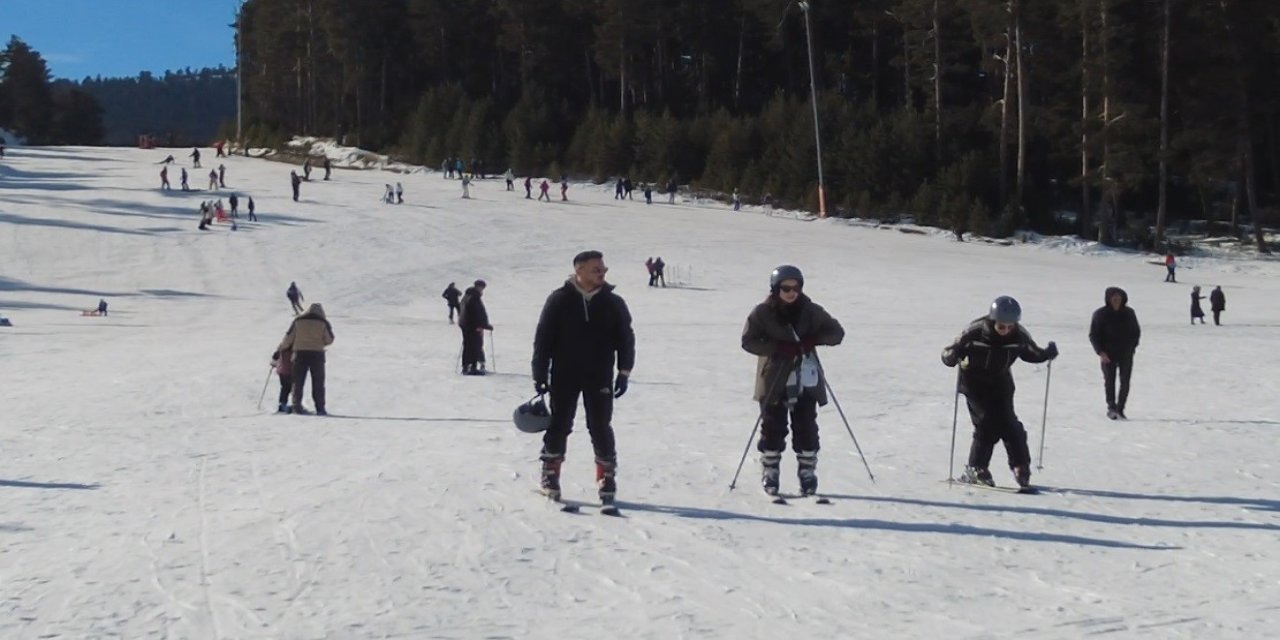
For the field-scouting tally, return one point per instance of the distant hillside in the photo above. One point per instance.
(178, 108)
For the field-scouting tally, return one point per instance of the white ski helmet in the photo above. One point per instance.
(532, 416)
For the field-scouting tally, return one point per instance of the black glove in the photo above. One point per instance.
(951, 357)
(275, 355)
(541, 387)
(1051, 350)
(620, 385)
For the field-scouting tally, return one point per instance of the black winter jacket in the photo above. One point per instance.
(1115, 331)
(451, 294)
(473, 315)
(985, 357)
(1217, 300)
(578, 335)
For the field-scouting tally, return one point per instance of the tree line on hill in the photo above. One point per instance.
(1111, 118)
(34, 107)
(177, 109)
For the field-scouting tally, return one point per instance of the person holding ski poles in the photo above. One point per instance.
(985, 351)
(783, 331)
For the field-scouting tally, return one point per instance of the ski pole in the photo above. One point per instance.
(1044, 417)
(493, 352)
(733, 483)
(759, 419)
(955, 415)
(265, 384)
(832, 392)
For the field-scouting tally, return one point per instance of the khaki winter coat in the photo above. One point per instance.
(309, 332)
(767, 326)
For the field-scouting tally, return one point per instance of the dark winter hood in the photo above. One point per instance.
(1106, 297)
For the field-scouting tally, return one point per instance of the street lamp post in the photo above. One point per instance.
(239, 89)
(813, 98)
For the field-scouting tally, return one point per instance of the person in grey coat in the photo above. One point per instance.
(784, 331)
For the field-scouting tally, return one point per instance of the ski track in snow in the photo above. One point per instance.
(144, 494)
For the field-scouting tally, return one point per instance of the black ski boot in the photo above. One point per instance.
(770, 461)
(807, 470)
(977, 475)
(551, 476)
(606, 482)
(1022, 475)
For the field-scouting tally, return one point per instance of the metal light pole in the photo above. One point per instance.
(813, 98)
(239, 90)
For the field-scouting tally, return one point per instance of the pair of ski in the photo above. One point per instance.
(1027, 490)
(574, 506)
(777, 498)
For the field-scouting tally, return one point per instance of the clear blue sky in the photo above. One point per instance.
(81, 38)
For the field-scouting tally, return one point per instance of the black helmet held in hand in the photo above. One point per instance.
(532, 416)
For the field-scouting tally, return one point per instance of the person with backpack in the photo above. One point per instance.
(451, 296)
(783, 332)
(295, 297)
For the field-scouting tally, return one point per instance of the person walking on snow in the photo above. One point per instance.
(511, 179)
(985, 351)
(528, 187)
(1114, 334)
(102, 307)
(583, 326)
(399, 193)
(235, 205)
(328, 167)
(213, 179)
(283, 363)
(295, 297)
(164, 179)
(388, 195)
(783, 332)
(544, 188)
(1196, 311)
(452, 295)
(222, 176)
(737, 202)
(564, 189)
(306, 169)
(252, 217)
(307, 337)
(296, 183)
(1217, 303)
(659, 277)
(473, 320)
(466, 186)
(217, 146)
(1171, 265)
(195, 158)
(183, 178)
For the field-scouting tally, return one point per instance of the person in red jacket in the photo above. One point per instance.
(544, 188)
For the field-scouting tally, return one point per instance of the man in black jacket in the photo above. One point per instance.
(1114, 334)
(583, 325)
(451, 296)
(985, 350)
(1218, 303)
(473, 320)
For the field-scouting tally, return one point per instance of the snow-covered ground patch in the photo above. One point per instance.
(144, 493)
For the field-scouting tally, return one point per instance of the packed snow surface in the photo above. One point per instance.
(145, 494)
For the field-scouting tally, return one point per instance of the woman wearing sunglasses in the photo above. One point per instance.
(985, 350)
(783, 331)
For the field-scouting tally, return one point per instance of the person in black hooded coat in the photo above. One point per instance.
(473, 320)
(1114, 333)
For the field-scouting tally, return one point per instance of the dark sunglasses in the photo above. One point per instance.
(786, 288)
